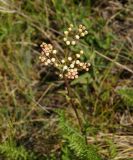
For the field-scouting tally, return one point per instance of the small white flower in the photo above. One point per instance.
(77, 61)
(80, 26)
(47, 54)
(81, 52)
(65, 39)
(84, 67)
(66, 32)
(89, 64)
(76, 76)
(80, 30)
(80, 64)
(48, 61)
(62, 61)
(53, 59)
(65, 68)
(86, 32)
(71, 25)
(69, 29)
(72, 65)
(75, 69)
(77, 37)
(73, 73)
(87, 69)
(40, 57)
(56, 64)
(68, 42)
(60, 75)
(78, 55)
(84, 28)
(82, 34)
(73, 42)
(70, 58)
(43, 59)
(54, 51)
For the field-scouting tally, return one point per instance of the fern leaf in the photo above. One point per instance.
(127, 95)
(76, 141)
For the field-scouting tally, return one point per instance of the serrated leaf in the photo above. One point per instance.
(127, 95)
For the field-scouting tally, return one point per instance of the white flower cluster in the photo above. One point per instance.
(81, 32)
(70, 66)
(48, 55)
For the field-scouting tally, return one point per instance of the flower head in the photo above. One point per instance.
(69, 66)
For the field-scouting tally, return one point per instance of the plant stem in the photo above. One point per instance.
(75, 110)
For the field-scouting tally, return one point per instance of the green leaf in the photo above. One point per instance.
(83, 79)
(127, 95)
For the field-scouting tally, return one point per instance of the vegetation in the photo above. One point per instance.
(36, 118)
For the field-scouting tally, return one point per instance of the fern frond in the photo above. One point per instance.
(127, 95)
(12, 152)
(75, 140)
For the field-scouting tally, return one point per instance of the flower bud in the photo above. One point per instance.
(68, 42)
(53, 59)
(81, 51)
(77, 37)
(65, 68)
(54, 51)
(73, 42)
(70, 58)
(78, 55)
(62, 61)
(66, 32)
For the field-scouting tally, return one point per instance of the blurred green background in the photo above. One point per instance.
(29, 94)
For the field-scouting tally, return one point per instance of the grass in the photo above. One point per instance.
(29, 94)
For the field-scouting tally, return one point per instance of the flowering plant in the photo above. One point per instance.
(68, 65)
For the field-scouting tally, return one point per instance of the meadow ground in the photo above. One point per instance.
(30, 94)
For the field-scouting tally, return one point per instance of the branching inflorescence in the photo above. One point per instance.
(70, 63)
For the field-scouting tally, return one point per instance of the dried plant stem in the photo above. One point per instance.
(72, 104)
(75, 110)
